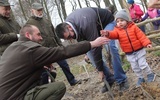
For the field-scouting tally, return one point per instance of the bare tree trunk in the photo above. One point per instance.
(143, 5)
(74, 4)
(59, 10)
(20, 3)
(123, 4)
(87, 3)
(106, 2)
(47, 10)
(63, 9)
(79, 3)
(97, 2)
(113, 1)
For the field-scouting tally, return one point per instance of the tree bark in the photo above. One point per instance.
(74, 4)
(20, 3)
(59, 10)
(49, 18)
(97, 2)
(79, 3)
(106, 2)
(87, 3)
(63, 9)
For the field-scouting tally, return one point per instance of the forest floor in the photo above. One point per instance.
(90, 87)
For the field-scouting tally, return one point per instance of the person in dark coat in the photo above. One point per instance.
(9, 28)
(28, 57)
(49, 38)
(85, 24)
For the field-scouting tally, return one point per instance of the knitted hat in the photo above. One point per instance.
(37, 6)
(130, 1)
(122, 14)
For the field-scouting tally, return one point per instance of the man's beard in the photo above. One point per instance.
(39, 16)
(4, 15)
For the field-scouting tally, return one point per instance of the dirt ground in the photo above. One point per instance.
(90, 87)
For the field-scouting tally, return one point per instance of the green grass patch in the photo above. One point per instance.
(126, 65)
(75, 69)
(156, 53)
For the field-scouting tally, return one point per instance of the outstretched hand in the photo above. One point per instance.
(104, 33)
(99, 42)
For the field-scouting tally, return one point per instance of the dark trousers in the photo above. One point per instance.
(66, 70)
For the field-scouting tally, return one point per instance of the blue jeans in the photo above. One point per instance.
(66, 70)
(119, 73)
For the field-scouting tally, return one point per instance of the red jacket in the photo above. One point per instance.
(130, 38)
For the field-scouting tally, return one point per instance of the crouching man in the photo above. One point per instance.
(22, 64)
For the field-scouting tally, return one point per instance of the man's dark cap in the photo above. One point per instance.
(4, 3)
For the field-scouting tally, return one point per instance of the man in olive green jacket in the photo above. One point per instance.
(9, 28)
(27, 57)
(49, 38)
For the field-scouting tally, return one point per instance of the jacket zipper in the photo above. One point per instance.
(129, 40)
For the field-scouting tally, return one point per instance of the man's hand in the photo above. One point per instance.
(154, 4)
(86, 59)
(104, 33)
(99, 42)
(101, 75)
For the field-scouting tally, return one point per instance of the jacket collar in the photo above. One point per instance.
(23, 38)
(73, 29)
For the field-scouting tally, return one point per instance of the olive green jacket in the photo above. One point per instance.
(47, 31)
(9, 29)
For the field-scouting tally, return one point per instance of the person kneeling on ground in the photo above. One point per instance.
(22, 64)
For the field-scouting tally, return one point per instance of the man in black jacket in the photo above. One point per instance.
(85, 24)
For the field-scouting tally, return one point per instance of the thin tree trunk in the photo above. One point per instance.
(113, 1)
(106, 2)
(143, 5)
(79, 3)
(59, 10)
(73, 3)
(63, 9)
(47, 10)
(97, 2)
(87, 3)
(123, 4)
(20, 3)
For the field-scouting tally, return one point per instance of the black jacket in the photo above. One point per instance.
(87, 23)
